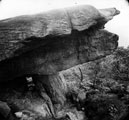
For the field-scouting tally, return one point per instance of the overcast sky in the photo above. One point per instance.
(119, 25)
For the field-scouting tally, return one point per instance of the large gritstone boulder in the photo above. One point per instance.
(34, 49)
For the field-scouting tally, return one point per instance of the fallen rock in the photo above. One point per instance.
(19, 114)
(4, 109)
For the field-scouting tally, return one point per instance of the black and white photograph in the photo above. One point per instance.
(64, 59)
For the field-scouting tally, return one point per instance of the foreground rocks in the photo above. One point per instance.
(36, 56)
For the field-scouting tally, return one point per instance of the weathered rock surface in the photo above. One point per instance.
(103, 86)
(61, 54)
(29, 32)
(100, 89)
(41, 46)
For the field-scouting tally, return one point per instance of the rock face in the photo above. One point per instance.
(103, 86)
(63, 53)
(30, 31)
(34, 51)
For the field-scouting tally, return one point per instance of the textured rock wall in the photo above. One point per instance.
(63, 53)
(103, 85)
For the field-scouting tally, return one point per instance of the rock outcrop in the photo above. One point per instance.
(61, 54)
(36, 56)
(30, 31)
(102, 86)
(50, 42)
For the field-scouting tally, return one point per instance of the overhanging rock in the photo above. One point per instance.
(30, 31)
(61, 54)
(49, 42)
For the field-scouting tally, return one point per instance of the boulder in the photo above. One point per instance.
(52, 41)
(4, 109)
(44, 47)
(29, 31)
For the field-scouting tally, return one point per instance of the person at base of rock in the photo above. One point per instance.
(30, 83)
(36, 82)
(40, 84)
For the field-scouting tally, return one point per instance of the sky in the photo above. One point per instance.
(119, 25)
